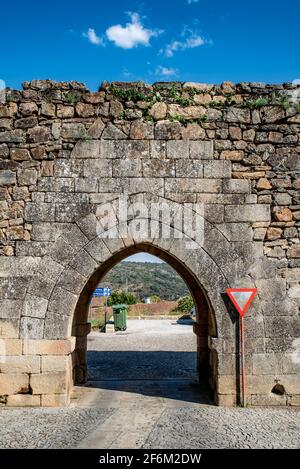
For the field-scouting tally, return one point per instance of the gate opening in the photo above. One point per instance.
(118, 363)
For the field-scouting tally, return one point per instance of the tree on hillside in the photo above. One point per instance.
(121, 297)
(155, 299)
(185, 304)
(146, 279)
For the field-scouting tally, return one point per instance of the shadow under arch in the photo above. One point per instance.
(204, 328)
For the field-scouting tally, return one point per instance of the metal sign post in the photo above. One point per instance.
(105, 313)
(242, 360)
(242, 299)
(106, 291)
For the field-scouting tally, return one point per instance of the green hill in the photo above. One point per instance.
(147, 279)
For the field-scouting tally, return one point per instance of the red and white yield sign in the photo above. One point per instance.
(241, 298)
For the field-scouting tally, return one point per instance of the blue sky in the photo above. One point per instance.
(143, 257)
(186, 40)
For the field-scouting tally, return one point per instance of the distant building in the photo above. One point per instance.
(147, 300)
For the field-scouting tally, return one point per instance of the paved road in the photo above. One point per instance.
(142, 393)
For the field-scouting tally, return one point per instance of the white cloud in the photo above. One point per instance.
(165, 71)
(93, 38)
(190, 40)
(131, 35)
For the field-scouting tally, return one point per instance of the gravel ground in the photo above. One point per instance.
(48, 428)
(216, 427)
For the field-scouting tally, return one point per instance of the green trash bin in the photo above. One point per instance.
(120, 317)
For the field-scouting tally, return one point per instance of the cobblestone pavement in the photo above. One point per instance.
(48, 428)
(142, 392)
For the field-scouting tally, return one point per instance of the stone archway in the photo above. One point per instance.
(204, 328)
(206, 272)
(78, 154)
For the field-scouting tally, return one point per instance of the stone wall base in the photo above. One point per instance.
(36, 373)
(39, 373)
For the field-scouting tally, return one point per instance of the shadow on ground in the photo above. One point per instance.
(164, 374)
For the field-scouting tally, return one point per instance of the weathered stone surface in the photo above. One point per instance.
(158, 111)
(23, 400)
(294, 251)
(177, 149)
(284, 214)
(141, 130)
(193, 169)
(47, 383)
(38, 153)
(85, 110)
(26, 123)
(272, 114)
(54, 400)
(48, 109)
(28, 108)
(116, 109)
(112, 132)
(73, 130)
(65, 111)
(49, 347)
(236, 186)
(19, 154)
(189, 112)
(232, 155)
(54, 363)
(193, 131)
(31, 328)
(192, 185)
(86, 149)
(97, 168)
(4, 150)
(5, 123)
(72, 281)
(251, 213)
(34, 307)
(61, 300)
(39, 212)
(20, 364)
(238, 115)
(10, 347)
(27, 177)
(217, 169)
(10, 308)
(86, 184)
(7, 178)
(38, 134)
(124, 168)
(47, 168)
(12, 136)
(263, 184)
(158, 168)
(96, 129)
(13, 383)
(201, 150)
(167, 130)
(274, 233)
(135, 149)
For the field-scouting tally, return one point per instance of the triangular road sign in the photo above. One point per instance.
(241, 298)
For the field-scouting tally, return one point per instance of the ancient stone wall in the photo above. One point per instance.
(64, 151)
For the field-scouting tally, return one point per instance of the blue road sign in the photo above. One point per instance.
(102, 292)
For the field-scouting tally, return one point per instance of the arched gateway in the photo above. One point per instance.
(212, 187)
